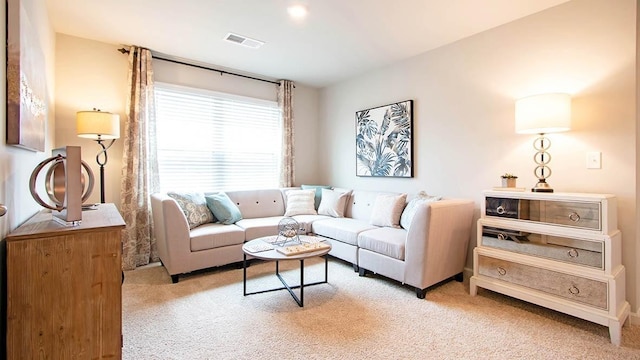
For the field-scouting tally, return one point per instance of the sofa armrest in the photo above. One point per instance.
(437, 241)
(171, 230)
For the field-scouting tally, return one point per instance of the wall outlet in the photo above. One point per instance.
(594, 160)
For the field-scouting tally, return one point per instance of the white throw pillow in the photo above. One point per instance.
(411, 208)
(300, 202)
(387, 210)
(333, 203)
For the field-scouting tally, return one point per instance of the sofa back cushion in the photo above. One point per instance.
(360, 204)
(258, 203)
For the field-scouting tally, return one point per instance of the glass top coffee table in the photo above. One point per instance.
(262, 248)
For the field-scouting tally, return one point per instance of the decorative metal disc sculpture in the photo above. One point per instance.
(288, 231)
(55, 182)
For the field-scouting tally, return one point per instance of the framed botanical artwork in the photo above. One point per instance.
(384, 144)
(26, 81)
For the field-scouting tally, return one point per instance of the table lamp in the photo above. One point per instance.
(543, 114)
(99, 126)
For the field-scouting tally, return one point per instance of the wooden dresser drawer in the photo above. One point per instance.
(574, 251)
(571, 287)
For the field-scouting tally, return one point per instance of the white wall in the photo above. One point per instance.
(464, 96)
(91, 74)
(16, 164)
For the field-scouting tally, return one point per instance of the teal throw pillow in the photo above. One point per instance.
(318, 189)
(223, 208)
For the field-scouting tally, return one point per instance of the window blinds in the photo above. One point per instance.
(209, 141)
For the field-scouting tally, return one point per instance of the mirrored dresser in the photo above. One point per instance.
(561, 251)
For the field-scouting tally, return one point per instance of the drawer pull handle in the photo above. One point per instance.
(500, 210)
(502, 236)
(574, 290)
(502, 271)
(573, 253)
(574, 217)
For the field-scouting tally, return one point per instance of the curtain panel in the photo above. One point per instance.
(285, 102)
(140, 165)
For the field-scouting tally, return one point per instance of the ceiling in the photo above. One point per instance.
(337, 40)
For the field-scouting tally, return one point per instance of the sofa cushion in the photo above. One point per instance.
(333, 203)
(318, 195)
(223, 208)
(300, 202)
(258, 203)
(387, 210)
(306, 221)
(342, 229)
(386, 241)
(210, 236)
(410, 210)
(259, 227)
(194, 207)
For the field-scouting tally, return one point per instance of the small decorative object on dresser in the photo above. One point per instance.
(509, 180)
(561, 251)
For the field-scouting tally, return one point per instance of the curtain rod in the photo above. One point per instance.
(125, 51)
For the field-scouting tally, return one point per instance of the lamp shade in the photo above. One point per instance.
(542, 114)
(97, 125)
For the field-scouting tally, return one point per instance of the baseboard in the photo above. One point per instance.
(634, 318)
(467, 273)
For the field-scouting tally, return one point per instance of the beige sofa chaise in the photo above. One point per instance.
(433, 249)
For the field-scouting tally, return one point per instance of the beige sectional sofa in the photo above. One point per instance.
(433, 248)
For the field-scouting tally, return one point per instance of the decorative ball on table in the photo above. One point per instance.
(287, 231)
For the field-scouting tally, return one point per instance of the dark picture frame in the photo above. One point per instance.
(27, 100)
(384, 141)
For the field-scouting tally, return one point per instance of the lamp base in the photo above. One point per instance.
(542, 186)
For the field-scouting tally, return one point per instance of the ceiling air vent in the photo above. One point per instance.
(243, 40)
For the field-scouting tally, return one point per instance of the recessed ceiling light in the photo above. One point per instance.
(297, 11)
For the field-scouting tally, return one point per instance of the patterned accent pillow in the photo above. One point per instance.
(411, 208)
(225, 210)
(387, 210)
(333, 203)
(300, 202)
(194, 207)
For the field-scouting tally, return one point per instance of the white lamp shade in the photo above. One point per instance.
(98, 125)
(542, 114)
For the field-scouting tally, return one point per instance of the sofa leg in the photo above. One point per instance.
(174, 278)
(362, 272)
(459, 277)
(355, 268)
(421, 293)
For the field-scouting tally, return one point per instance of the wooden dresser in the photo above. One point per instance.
(558, 250)
(64, 287)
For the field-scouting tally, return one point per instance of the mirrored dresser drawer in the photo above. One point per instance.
(586, 215)
(575, 288)
(588, 253)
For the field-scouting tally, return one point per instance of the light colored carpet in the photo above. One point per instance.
(205, 316)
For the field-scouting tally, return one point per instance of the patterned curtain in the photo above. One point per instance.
(285, 102)
(140, 165)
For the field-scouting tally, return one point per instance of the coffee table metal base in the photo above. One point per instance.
(299, 300)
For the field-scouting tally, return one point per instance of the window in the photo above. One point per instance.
(210, 141)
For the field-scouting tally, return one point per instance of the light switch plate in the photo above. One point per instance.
(594, 160)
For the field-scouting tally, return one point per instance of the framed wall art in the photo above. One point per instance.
(26, 81)
(384, 144)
